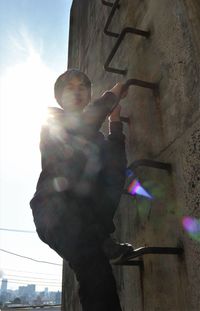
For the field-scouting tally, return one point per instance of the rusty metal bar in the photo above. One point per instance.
(151, 163)
(116, 46)
(140, 83)
(107, 3)
(152, 250)
(115, 6)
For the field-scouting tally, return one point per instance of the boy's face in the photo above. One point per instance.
(76, 95)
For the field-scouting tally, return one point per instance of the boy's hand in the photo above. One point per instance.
(115, 114)
(118, 90)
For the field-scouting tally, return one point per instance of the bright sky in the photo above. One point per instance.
(34, 39)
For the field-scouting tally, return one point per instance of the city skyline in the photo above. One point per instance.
(5, 287)
(27, 295)
(39, 282)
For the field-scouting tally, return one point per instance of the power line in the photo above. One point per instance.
(16, 230)
(25, 283)
(38, 282)
(29, 258)
(30, 277)
(31, 272)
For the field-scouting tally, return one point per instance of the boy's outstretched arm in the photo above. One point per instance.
(95, 113)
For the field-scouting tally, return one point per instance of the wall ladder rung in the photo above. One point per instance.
(139, 252)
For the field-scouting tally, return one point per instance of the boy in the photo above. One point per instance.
(80, 185)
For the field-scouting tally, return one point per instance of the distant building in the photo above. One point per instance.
(4, 285)
(46, 292)
(58, 297)
(27, 293)
(21, 290)
(4, 293)
(30, 289)
(27, 290)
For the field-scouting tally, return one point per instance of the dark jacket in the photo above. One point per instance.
(83, 173)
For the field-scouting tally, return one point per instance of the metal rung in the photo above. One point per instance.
(141, 83)
(116, 46)
(107, 3)
(152, 250)
(151, 163)
(115, 6)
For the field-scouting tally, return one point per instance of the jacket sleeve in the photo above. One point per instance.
(95, 113)
(115, 161)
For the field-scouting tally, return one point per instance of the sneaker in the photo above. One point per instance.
(115, 251)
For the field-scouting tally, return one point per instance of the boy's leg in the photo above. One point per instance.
(97, 286)
(82, 247)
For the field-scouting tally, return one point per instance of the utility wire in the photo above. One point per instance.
(30, 277)
(31, 272)
(16, 230)
(25, 283)
(38, 282)
(29, 258)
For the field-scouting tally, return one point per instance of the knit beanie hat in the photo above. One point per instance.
(64, 78)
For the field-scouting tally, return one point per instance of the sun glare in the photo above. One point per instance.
(26, 91)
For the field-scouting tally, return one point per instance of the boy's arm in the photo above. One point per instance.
(116, 153)
(95, 113)
(115, 166)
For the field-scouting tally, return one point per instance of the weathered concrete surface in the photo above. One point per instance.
(163, 127)
(70, 290)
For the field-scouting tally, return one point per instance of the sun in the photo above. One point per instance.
(26, 92)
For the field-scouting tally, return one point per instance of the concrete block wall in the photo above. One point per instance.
(163, 127)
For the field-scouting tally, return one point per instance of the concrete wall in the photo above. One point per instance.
(163, 127)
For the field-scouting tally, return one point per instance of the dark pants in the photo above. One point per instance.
(97, 290)
(80, 243)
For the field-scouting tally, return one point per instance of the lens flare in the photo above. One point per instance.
(136, 188)
(129, 172)
(192, 227)
(191, 224)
